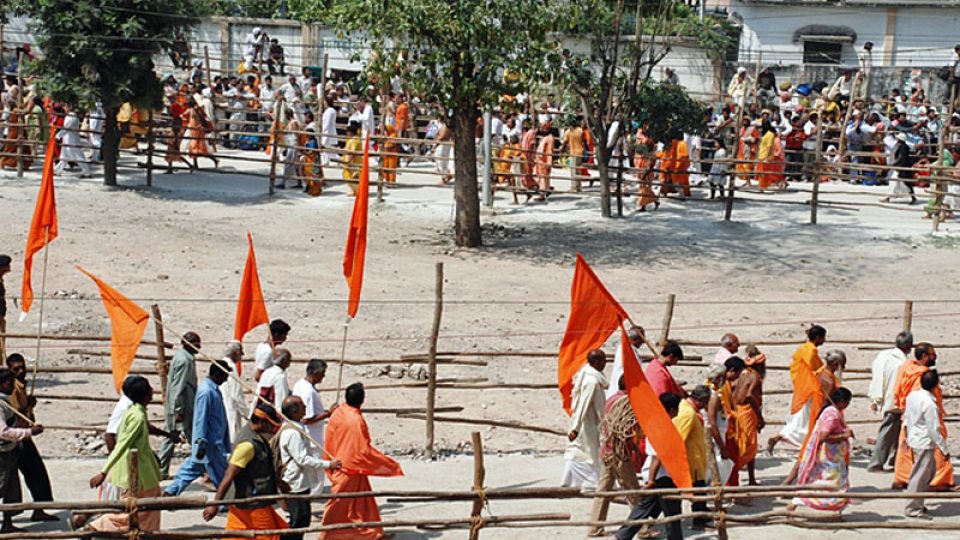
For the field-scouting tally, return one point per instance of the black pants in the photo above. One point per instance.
(9, 481)
(34, 472)
(651, 507)
(700, 506)
(299, 513)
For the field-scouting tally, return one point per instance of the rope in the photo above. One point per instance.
(620, 429)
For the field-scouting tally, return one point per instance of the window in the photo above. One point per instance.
(822, 52)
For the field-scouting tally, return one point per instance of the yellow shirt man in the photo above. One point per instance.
(690, 426)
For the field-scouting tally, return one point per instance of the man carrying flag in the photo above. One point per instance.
(582, 457)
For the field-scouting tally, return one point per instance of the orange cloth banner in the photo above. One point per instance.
(251, 310)
(356, 249)
(653, 419)
(594, 315)
(127, 323)
(43, 228)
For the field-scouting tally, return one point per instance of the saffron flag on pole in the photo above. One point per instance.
(356, 249)
(653, 419)
(127, 323)
(251, 309)
(43, 227)
(594, 316)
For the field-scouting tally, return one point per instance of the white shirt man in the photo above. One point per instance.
(328, 128)
(883, 383)
(301, 466)
(234, 403)
(582, 456)
(810, 131)
(264, 356)
(922, 422)
(268, 95)
(618, 371)
(273, 385)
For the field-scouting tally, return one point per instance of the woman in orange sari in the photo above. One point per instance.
(15, 136)
(390, 159)
(196, 134)
(747, 148)
(771, 157)
(643, 163)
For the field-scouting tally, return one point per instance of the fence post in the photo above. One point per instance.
(150, 138)
(719, 516)
(479, 476)
(732, 183)
(19, 109)
(161, 350)
(908, 315)
(380, 172)
(206, 60)
(133, 519)
(276, 129)
(940, 184)
(323, 81)
(667, 318)
(623, 156)
(432, 360)
(816, 172)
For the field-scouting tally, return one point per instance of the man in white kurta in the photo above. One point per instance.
(233, 401)
(71, 145)
(883, 383)
(636, 337)
(273, 386)
(582, 456)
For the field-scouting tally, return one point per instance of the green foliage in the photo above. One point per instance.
(250, 8)
(458, 50)
(667, 110)
(308, 10)
(103, 50)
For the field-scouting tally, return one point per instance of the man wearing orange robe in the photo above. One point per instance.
(348, 439)
(807, 399)
(908, 380)
(746, 420)
(748, 147)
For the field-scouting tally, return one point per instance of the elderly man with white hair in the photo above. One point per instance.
(729, 345)
(233, 400)
(883, 385)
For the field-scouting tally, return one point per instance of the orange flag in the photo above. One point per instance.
(653, 419)
(43, 228)
(127, 323)
(594, 315)
(251, 310)
(356, 250)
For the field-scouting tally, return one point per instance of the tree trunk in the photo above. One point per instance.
(467, 226)
(111, 147)
(603, 171)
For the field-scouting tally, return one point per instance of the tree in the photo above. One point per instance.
(103, 51)
(457, 51)
(613, 79)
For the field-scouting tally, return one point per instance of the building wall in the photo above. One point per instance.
(919, 36)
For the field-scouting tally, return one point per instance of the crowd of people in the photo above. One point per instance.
(282, 439)
(720, 421)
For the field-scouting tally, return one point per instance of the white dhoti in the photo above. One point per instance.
(896, 189)
(795, 430)
(580, 474)
(444, 159)
(952, 199)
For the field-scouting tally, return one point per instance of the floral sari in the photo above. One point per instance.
(825, 464)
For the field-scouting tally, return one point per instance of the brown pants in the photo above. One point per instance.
(626, 476)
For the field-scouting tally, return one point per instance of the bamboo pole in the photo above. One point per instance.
(150, 143)
(908, 315)
(18, 106)
(667, 319)
(162, 365)
(938, 199)
(206, 59)
(479, 476)
(56, 337)
(719, 515)
(134, 489)
(323, 80)
(484, 422)
(817, 172)
(43, 294)
(432, 360)
(343, 352)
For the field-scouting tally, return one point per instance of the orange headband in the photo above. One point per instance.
(260, 413)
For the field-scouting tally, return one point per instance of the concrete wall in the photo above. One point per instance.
(902, 37)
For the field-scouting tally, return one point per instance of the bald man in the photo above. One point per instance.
(729, 345)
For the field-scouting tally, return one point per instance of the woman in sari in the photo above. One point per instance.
(771, 158)
(15, 147)
(747, 147)
(826, 456)
(391, 149)
(195, 137)
(643, 163)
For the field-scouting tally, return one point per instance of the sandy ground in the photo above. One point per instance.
(765, 276)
